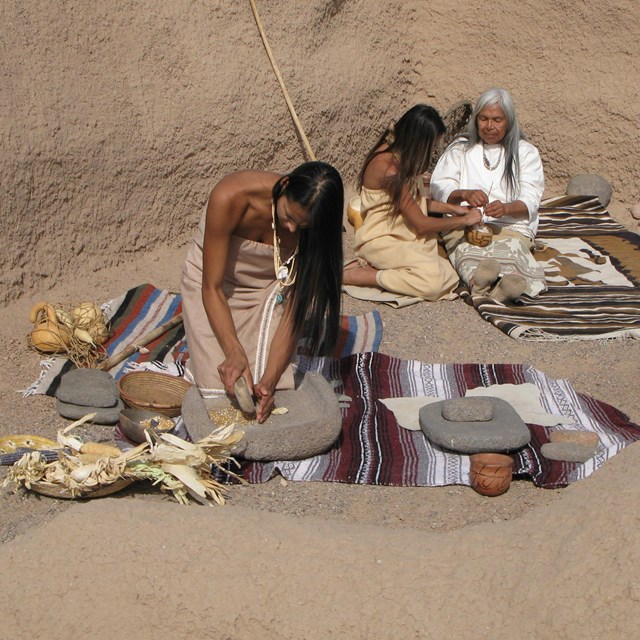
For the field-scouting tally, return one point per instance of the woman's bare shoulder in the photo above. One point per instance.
(246, 180)
(380, 171)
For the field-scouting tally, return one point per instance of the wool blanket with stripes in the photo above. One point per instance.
(373, 449)
(592, 269)
(144, 308)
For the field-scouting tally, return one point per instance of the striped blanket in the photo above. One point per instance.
(592, 268)
(143, 308)
(373, 449)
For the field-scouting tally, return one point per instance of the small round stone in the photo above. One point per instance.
(568, 451)
(590, 185)
(577, 437)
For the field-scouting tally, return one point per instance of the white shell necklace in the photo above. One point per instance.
(485, 160)
(285, 271)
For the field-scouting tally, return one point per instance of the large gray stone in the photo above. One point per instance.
(590, 185)
(196, 415)
(104, 415)
(504, 432)
(311, 426)
(88, 388)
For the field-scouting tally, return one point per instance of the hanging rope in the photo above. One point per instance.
(292, 111)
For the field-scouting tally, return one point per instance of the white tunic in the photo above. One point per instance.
(462, 168)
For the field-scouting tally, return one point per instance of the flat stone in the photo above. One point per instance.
(635, 210)
(310, 427)
(568, 451)
(104, 415)
(88, 388)
(196, 415)
(467, 410)
(590, 185)
(504, 432)
(577, 437)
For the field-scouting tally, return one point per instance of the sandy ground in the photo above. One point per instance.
(319, 560)
(116, 120)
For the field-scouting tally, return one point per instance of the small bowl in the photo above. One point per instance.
(491, 473)
(153, 391)
(131, 423)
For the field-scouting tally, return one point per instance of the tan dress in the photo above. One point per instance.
(251, 290)
(408, 264)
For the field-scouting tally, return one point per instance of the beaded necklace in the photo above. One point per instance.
(485, 160)
(285, 271)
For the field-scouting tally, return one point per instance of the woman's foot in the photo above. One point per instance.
(486, 273)
(510, 287)
(360, 275)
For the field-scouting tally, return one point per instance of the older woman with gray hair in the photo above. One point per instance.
(491, 166)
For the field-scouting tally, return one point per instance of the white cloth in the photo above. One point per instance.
(524, 398)
(462, 168)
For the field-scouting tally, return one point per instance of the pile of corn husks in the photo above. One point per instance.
(179, 467)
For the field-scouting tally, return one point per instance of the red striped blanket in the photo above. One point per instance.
(373, 449)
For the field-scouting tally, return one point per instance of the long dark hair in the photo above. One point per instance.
(316, 292)
(411, 139)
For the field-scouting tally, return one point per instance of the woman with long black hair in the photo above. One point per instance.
(264, 265)
(397, 244)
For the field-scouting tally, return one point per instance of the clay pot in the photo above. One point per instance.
(491, 473)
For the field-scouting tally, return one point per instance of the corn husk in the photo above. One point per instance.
(181, 468)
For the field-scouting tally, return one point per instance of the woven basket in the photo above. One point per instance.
(99, 491)
(153, 391)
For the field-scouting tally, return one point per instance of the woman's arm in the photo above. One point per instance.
(280, 351)
(531, 188)
(422, 224)
(224, 212)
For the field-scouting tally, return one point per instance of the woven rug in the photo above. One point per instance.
(592, 268)
(143, 308)
(373, 449)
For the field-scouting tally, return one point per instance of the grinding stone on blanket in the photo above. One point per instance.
(568, 451)
(310, 427)
(84, 391)
(504, 430)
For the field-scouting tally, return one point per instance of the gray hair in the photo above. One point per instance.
(511, 140)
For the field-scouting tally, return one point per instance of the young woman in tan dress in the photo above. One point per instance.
(398, 241)
(265, 263)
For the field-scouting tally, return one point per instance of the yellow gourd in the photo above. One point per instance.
(49, 335)
(85, 314)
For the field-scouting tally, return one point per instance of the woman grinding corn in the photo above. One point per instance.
(265, 262)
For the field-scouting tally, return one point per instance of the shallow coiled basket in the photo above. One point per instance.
(153, 391)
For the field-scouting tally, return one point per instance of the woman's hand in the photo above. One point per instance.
(473, 216)
(475, 197)
(263, 392)
(457, 210)
(496, 209)
(234, 366)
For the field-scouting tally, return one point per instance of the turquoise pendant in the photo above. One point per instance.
(279, 298)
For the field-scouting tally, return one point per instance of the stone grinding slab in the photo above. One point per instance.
(504, 432)
(311, 426)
